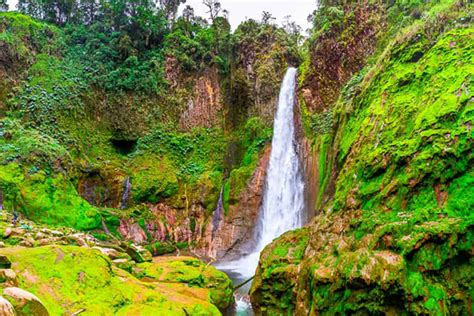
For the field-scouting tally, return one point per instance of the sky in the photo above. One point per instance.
(240, 10)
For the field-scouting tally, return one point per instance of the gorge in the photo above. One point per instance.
(153, 160)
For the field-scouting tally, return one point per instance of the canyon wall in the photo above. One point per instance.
(393, 229)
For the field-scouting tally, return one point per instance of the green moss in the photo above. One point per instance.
(275, 279)
(67, 279)
(46, 199)
(253, 138)
(26, 36)
(192, 272)
(153, 181)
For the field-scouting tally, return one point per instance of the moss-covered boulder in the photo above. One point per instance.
(192, 272)
(24, 302)
(68, 279)
(273, 289)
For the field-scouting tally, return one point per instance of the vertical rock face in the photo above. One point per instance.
(334, 58)
(340, 53)
(396, 234)
(102, 188)
(234, 234)
(205, 104)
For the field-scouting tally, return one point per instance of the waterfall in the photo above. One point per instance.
(217, 215)
(283, 199)
(127, 186)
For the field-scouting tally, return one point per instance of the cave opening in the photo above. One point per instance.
(124, 146)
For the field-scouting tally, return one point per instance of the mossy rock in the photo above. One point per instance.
(192, 272)
(153, 179)
(68, 279)
(272, 289)
(24, 302)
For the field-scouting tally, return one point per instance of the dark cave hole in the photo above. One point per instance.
(124, 146)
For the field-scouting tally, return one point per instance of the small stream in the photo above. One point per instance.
(242, 307)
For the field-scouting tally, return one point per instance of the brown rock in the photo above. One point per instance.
(132, 231)
(24, 302)
(13, 231)
(6, 308)
(7, 276)
(109, 252)
(45, 241)
(138, 254)
(232, 234)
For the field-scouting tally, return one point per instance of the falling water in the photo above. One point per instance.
(283, 202)
(127, 186)
(217, 215)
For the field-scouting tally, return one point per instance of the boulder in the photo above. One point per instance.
(15, 231)
(6, 308)
(109, 252)
(57, 233)
(123, 264)
(45, 241)
(24, 302)
(138, 254)
(7, 232)
(7, 276)
(27, 242)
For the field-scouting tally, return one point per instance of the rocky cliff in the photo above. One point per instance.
(393, 230)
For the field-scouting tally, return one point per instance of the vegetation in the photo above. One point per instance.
(133, 124)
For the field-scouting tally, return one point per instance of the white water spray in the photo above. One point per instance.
(283, 199)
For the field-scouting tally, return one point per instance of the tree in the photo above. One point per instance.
(55, 11)
(188, 13)
(170, 8)
(214, 8)
(88, 11)
(3, 5)
(267, 18)
(292, 29)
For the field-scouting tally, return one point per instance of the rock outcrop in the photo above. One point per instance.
(6, 308)
(234, 233)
